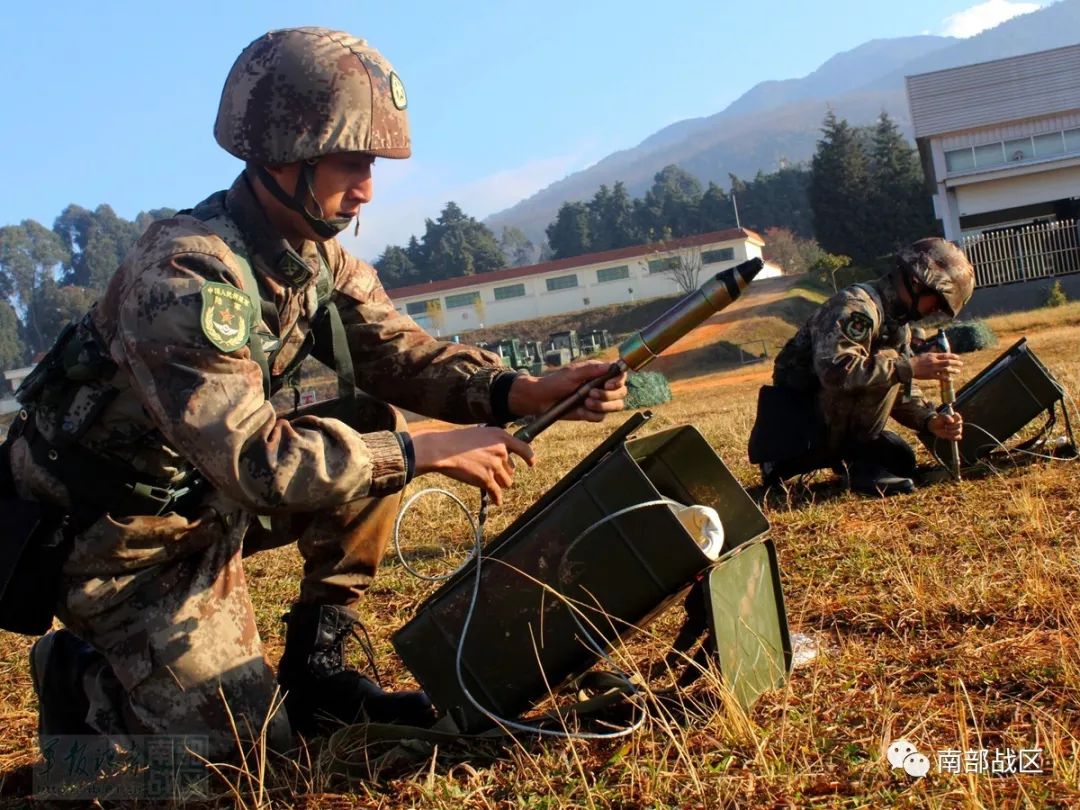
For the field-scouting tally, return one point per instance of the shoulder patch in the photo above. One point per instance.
(227, 315)
(856, 326)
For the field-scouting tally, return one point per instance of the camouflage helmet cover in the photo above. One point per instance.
(300, 93)
(942, 267)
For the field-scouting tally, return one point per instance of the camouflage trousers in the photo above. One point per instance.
(165, 602)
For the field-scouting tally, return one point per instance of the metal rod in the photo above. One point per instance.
(948, 397)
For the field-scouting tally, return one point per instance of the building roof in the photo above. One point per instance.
(988, 93)
(634, 251)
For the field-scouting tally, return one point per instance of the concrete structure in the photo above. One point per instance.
(14, 379)
(1000, 140)
(566, 285)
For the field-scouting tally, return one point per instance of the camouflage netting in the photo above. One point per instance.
(971, 336)
(646, 388)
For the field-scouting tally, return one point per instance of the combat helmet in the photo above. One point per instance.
(941, 266)
(297, 94)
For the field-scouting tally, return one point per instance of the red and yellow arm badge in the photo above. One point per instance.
(227, 315)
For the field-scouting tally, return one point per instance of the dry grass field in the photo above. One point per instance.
(948, 617)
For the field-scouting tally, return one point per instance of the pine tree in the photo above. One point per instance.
(457, 245)
(897, 187)
(396, 268)
(611, 219)
(517, 247)
(12, 352)
(715, 211)
(671, 205)
(569, 234)
(839, 191)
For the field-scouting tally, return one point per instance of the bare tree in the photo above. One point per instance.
(682, 266)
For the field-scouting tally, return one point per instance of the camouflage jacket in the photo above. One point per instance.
(855, 351)
(177, 400)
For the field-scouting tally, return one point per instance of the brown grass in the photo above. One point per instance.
(948, 617)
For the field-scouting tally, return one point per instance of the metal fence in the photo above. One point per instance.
(1023, 254)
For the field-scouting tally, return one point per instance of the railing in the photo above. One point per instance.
(1023, 254)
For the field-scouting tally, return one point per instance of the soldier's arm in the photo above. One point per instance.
(398, 362)
(843, 334)
(912, 409)
(209, 403)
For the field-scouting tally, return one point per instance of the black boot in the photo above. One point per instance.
(322, 691)
(872, 479)
(58, 661)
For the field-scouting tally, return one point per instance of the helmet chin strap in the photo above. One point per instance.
(326, 228)
(912, 313)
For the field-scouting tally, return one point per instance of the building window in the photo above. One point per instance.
(1049, 145)
(561, 282)
(1019, 149)
(718, 255)
(421, 307)
(959, 160)
(663, 265)
(613, 273)
(510, 291)
(462, 300)
(989, 155)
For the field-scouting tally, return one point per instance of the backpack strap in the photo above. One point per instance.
(214, 217)
(251, 287)
(212, 214)
(339, 343)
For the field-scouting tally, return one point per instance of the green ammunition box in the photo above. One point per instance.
(1004, 397)
(523, 641)
(745, 606)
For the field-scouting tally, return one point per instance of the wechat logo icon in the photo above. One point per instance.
(902, 754)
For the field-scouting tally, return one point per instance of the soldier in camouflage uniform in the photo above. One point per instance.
(853, 365)
(151, 426)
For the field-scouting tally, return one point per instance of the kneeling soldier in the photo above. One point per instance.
(850, 368)
(150, 425)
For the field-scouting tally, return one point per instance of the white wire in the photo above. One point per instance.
(1076, 411)
(405, 507)
(997, 441)
(596, 646)
(1009, 452)
(477, 555)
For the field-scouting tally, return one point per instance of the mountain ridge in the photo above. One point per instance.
(779, 120)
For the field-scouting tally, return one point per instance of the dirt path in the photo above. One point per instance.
(713, 329)
(760, 374)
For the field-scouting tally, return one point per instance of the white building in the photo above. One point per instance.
(566, 285)
(14, 378)
(1000, 140)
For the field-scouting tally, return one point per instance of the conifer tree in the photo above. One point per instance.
(839, 191)
(898, 193)
(569, 234)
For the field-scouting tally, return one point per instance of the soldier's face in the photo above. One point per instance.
(929, 303)
(342, 184)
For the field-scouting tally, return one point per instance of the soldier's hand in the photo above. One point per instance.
(947, 426)
(935, 365)
(480, 456)
(534, 395)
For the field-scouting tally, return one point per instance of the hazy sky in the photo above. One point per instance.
(113, 101)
